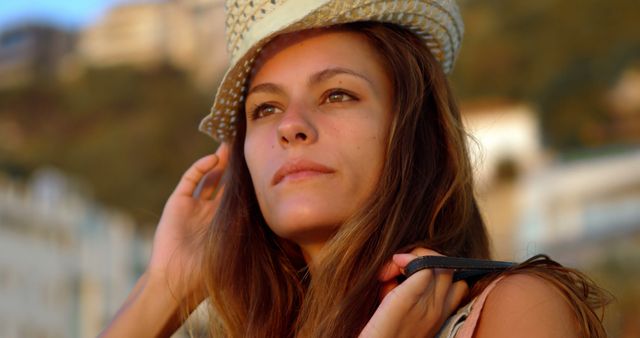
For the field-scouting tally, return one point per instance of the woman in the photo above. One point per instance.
(344, 159)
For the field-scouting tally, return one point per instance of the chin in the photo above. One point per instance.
(304, 222)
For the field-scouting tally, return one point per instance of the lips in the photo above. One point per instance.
(300, 169)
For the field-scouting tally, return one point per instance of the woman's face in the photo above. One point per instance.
(318, 113)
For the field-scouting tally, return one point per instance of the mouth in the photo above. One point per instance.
(299, 170)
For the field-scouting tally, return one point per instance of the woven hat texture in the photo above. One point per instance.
(251, 24)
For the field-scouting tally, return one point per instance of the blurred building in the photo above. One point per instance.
(34, 52)
(506, 139)
(211, 58)
(66, 264)
(624, 107)
(579, 210)
(188, 34)
(505, 146)
(532, 203)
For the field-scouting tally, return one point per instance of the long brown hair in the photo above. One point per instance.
(259, 285)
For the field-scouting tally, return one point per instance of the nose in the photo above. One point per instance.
(295, 128)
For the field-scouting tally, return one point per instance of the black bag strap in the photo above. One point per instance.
(468, 269)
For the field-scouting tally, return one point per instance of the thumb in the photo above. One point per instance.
(401, 260)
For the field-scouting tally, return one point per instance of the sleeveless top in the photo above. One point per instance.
(463, 323)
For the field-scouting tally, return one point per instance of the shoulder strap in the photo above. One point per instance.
(465, 268)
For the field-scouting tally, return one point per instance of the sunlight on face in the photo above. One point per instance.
(318, 115)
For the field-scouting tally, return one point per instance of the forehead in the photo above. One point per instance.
(333, 39)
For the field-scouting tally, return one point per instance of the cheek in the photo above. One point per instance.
(258, 154)
(366, 155)
(373, 139)
(376, 149)
(374, 160)
(255, 159)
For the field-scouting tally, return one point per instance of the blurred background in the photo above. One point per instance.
(100, 101)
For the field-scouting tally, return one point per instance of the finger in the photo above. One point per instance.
(223, 153)
(389, 271)
(194, 174)
(457, 292)
(216, 200)
(397, 305)
(416, 286)
(443, 279)
(420, 251)
(208, 184)
(429, 307)
(440, 288)
(403, 259)
(387, 287)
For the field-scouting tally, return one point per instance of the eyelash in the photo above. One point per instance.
(256, 112)
(339, 91)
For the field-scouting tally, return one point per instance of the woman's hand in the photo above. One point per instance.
(418, 306)
(155, 306)
(187, 213)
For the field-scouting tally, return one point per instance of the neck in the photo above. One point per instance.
(311, 252)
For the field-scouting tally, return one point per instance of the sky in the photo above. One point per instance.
(66, 13)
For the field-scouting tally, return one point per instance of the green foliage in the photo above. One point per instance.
(560, 55)
(129, 134)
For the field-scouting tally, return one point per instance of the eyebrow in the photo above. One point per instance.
(331, 72)
(318, 77)
(268, 88)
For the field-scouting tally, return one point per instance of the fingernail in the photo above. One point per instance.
(221, 147)
(403, 259)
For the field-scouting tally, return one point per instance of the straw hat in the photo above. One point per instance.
(251, 24)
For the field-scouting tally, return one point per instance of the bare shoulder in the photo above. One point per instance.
(529, 306)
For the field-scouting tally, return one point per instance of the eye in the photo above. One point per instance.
(338, 95)
(262, 110)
